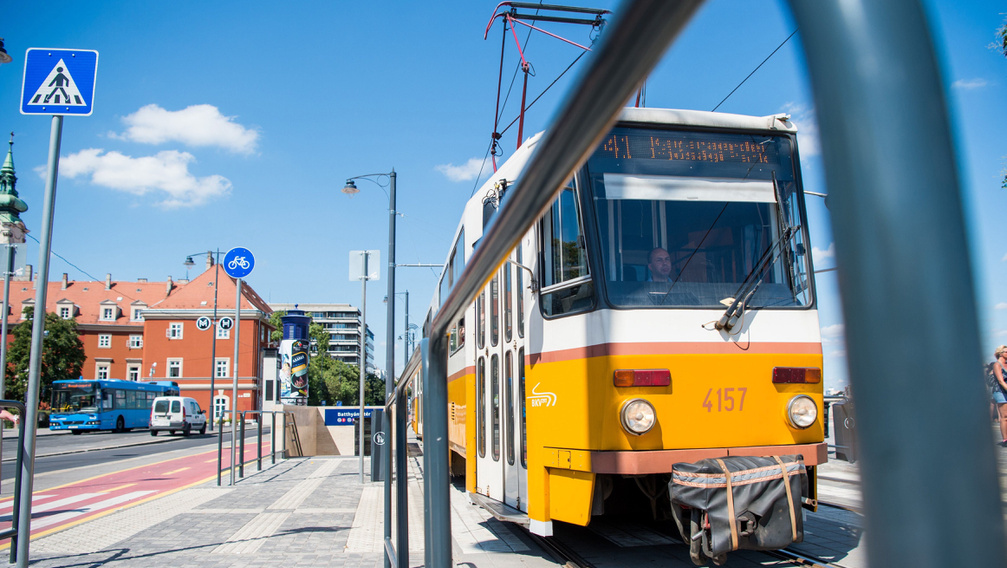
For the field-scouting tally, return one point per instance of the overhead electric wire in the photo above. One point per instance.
(79, 269)
(756, 69)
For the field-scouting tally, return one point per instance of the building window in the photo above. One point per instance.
(222, 368)
(137, 314)
(223, 333)
(64, 312)
(174, 368)
(135, 341)
(105, 340)
(133, 372)
(108, 313)
(175, 330)
(101, 371)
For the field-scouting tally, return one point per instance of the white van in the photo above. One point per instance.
(176, 413)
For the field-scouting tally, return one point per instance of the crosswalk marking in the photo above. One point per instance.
(111, 502)
(55, 504)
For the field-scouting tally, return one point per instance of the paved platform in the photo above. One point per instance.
(300, 512)
(315, 512)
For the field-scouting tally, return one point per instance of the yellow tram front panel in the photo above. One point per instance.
(715, 400)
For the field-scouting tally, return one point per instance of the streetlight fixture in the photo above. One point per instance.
(213, 327)
(386, 450)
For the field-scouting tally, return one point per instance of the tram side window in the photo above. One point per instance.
(495, 311)
(495, 401)
(481, 321)
(520, 292)
(481, 406)
(566, 287)
(524, 408)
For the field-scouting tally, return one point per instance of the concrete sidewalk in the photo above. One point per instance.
(301, 512)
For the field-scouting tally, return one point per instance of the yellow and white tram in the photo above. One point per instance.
(658, 319)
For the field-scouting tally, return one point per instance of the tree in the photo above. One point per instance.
(62, 355)
(277, 323)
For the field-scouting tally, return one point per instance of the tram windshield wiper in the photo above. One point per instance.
(753, 280)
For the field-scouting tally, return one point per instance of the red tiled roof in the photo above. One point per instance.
(198, 294)
(87, 298)
(90, 297)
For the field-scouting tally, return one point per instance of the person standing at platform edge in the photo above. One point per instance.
(1000, 393)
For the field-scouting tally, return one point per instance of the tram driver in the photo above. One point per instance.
(659, 266)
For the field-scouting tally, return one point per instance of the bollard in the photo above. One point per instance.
(241, 445)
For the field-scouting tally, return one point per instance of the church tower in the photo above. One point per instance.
(12, 229)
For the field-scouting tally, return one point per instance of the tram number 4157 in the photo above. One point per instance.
(726, 399)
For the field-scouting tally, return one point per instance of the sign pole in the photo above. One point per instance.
(30, 419)
(363, 354)
(234, 385)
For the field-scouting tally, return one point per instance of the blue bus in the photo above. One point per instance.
(105, 404)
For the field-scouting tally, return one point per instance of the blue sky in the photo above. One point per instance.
(222, 124)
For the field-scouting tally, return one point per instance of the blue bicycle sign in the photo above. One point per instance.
(238, 262)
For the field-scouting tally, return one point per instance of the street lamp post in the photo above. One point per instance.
(386, 449)
(213, 327)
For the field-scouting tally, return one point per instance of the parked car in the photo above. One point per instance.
(173, 413)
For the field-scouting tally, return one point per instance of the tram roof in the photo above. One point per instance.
(705, 118)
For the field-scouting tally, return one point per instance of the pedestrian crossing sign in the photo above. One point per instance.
(58, 81)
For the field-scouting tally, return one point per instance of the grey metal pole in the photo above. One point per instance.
(30, 419)
(428, 526)
(401, 479)
(3, 323)
(386, 424)
(906, 284)
(363, 356)
(436, 457)
(213, 350)
(3, 331)
(234, 384)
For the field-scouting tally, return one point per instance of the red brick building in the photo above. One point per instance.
(176, 349)
(147, 331)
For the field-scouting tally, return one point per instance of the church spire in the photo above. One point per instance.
(10, 204)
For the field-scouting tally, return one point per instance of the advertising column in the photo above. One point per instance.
(294, 356)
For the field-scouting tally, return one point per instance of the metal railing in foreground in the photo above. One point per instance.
(397, 554)
(241, 441)
(16, 525)
(890, 168)
(631, 48)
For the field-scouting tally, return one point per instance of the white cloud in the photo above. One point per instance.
(807, 128)
(1004, 259)
(819, 254)
(834, 333)
(465, 172)
(970, 84)
(197, 125)
(1000, 306)
(165, 173)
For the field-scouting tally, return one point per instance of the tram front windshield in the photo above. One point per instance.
(71, 398)
(721, 207)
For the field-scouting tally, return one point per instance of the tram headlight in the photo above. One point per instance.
(802, 411)
(638, 416)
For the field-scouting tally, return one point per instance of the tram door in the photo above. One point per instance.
(489, 469)
(514, 456)
(500, 473)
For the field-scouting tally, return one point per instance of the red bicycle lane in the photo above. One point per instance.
(64, 506)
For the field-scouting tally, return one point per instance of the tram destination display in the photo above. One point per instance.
(687, 146)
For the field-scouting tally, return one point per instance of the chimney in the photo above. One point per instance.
(108, 281)
(168, 289)
(209, 260)
(29, 272)
(141, 280)
(65, 282)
